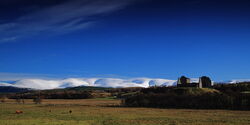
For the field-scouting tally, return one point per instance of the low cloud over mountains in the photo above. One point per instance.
(102, 82)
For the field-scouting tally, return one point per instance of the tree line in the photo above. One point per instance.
(220, 97)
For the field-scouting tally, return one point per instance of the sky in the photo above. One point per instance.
(126, 39)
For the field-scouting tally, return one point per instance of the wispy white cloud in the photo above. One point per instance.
(62, 18)
(8, 39)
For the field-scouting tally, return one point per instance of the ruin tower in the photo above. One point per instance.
(183, 80)
(205, 82)
(200, 83)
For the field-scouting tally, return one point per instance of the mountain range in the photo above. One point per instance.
(95, 82)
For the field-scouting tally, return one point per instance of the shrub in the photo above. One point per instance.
(37, 100)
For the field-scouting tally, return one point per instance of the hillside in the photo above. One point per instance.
(81, 92)
(10, 89)
(220, 97)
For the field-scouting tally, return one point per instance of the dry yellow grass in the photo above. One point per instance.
(94, 112)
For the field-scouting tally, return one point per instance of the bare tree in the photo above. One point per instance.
(38, 99)
(20, 99)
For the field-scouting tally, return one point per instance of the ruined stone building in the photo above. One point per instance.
(204, 82)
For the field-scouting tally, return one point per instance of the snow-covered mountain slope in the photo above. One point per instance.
(97, 82)
(100, 82)
(238, 81)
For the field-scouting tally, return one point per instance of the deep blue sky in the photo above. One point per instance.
(127, 38)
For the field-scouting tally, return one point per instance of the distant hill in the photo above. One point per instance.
(11, 89)
(81, 92)
(84, 88)
(76, 89)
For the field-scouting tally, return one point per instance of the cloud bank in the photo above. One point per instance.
(63, 17)
(98, 82)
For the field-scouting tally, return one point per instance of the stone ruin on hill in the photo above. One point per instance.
(204, 82)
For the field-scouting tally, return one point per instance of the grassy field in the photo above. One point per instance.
(103, 112)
